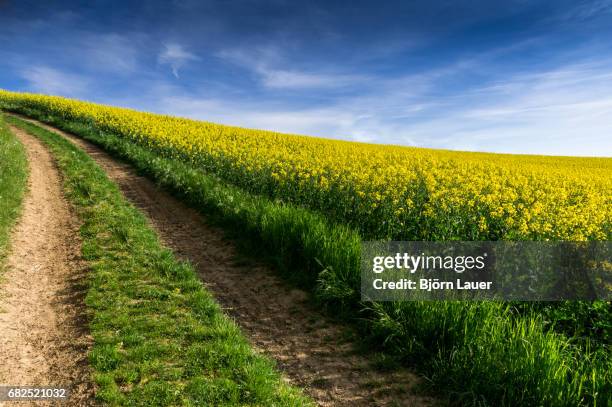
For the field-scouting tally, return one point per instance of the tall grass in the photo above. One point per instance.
(483, 353)
(160, 339)
(13, 177)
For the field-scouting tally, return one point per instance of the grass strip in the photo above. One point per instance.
(159, 337)
(480, 353)
(13, 179)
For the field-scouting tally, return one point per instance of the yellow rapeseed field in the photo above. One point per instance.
(384, 191)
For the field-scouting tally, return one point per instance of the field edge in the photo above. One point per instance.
(159, 336)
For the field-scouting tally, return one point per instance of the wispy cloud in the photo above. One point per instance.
(343, 121)
(274, 78)
(559, 111)
(45, 79)
(542, 90)
(265, 62)
(176, 56)
(587, 10)
(109, 52)
(563, 111)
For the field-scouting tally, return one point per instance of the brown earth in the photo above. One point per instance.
(312, 351)
(43, 332)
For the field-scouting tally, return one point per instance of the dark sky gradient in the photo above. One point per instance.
(514, 76)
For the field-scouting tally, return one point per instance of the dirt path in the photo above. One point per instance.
(43, 336)
(312, 351)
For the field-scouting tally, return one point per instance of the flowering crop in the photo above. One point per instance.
(549, 353)
(383, 191)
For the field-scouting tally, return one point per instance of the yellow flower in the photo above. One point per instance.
(523, 196)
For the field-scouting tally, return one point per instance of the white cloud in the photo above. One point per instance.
(338, 121)
(273, 78)
(587, 10)
(563, 111)
(44, 79)
(264, 62)
(109, 52)
(176, 56)
(246, 115)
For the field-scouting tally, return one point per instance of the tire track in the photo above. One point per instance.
(311, 350)
(43, 329)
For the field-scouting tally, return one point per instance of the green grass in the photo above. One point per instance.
(481, 353)
(13, 177)
(159, 336)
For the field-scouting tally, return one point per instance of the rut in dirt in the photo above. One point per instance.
(43, 331)
(312, 351)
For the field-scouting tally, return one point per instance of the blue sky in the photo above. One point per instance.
(515, 76)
